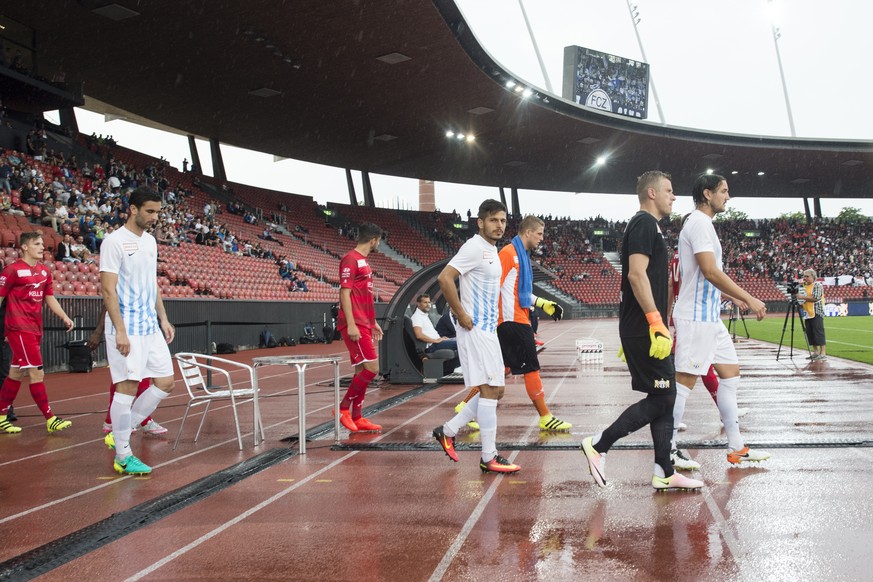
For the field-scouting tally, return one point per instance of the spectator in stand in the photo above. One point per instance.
(285, 272)
(87, 223)
(6, 172)
(80, 250)
(48, 214)
(65, 250)
(300, 283)
(268, 235)
(99, 233)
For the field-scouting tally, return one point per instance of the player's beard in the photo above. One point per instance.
(493, 236)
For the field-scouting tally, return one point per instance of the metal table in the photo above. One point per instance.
(301, 362)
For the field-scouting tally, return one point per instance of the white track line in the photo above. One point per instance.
(462, 536)
(267, 502)
(721, 523)
(178, 418)
(124, 478)
(228, 524)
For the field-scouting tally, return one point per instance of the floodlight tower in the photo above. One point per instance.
(634, 12)
(536, 48)
(777, 34)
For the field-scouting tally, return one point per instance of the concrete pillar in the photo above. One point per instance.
(353, 196)
(195, 156)
(217, 162)
(426, 196)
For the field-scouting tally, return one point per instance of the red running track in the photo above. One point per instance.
(408, 513)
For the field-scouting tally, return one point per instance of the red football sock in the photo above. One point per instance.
(143, 386)
(108, 419)
(357, 391)
(8, 393)
(37, 390)
(710, 381)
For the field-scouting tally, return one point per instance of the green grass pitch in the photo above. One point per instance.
(846, 337)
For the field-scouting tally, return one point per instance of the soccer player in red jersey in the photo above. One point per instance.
(358, 327)
(27, 284)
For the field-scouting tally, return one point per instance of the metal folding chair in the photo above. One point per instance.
(193, 366)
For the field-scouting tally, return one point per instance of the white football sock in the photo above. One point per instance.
(682, 393)
(487, 419)
(727, 407)
(145, 404)
(119, 413)
(467, 414)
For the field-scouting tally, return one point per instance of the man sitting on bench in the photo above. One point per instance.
(425, 332)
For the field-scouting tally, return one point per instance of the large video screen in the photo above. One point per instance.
(606, 82)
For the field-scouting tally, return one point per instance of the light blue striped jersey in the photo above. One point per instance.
(698, 300)
(135, 260)
(480, 270)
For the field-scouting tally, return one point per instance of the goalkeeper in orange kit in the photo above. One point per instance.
(517, 343)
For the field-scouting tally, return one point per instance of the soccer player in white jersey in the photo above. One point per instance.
(704, 338)
(478, 267)
(137, 328)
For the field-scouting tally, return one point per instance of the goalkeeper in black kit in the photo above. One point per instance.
(645, 340)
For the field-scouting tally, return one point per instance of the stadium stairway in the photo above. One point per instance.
(574, 304)
(614, 259)
(392, 253)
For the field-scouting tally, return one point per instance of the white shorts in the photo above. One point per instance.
(700, 344)
(481, 358)
(149, 357)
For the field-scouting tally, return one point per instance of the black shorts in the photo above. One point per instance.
(648, 374)
(815, 333)
(518, 347)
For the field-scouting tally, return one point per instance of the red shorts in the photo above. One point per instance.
(25, 349)
(362, 350)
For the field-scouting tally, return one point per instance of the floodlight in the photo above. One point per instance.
(450, 133)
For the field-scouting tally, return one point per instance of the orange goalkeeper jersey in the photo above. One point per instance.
(509, 308)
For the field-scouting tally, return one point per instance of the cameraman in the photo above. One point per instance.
(812, 301)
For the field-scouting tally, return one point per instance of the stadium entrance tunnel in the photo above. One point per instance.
(399, 357)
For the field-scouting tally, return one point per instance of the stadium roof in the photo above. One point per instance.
(376, 84)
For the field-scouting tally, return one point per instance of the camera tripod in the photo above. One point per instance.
(732, 322)
(793, 311)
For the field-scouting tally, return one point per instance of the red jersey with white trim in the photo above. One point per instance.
(23, 288)
(355, 274)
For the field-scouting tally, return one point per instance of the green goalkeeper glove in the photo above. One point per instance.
(621, 354)
(662, 343)
(551, 308)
